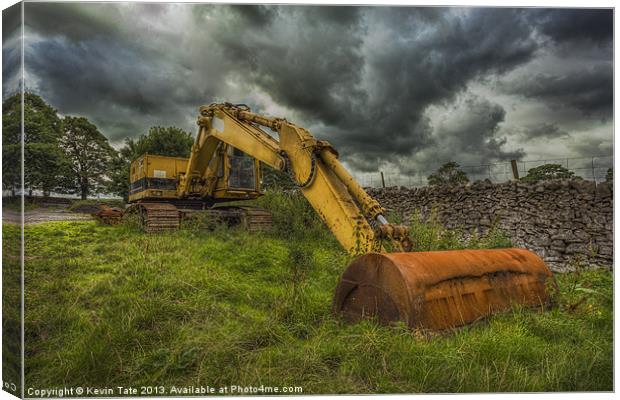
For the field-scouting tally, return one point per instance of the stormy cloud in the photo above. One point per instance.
(11, 49)
(544, 130)
(575, 25)
(390, 87)
(588, 91)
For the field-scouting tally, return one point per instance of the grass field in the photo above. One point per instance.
(108, 306)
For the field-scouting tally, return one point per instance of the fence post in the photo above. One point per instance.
(382, 180)
(515, 170)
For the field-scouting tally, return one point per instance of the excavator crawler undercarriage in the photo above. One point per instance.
(161, 217)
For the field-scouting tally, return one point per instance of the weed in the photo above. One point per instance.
(430, 234)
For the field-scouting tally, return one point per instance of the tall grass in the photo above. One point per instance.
(428, 234)
(108, 305)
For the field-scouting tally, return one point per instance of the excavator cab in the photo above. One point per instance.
(238, 176)
(156, 178)
(243, 171)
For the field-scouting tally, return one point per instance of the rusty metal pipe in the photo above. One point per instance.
(440, 289)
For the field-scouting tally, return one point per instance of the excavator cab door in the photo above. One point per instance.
(238, 176)
(242, 172)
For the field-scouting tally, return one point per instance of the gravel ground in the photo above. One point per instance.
(41, 215)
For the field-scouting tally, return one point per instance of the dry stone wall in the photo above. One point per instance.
(559, 220)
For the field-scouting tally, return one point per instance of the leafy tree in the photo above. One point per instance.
(90, 156)
(547, 172)
(46, 167)
(448, 174)
(11, 165)
(164, 141)
(44, 162)
(119, 176)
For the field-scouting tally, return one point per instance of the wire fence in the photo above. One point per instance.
(593, 168)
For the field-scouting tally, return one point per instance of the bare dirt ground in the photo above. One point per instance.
(41, 215)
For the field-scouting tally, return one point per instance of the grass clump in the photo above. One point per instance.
(109, 305)
(430, 234)
(294, 217)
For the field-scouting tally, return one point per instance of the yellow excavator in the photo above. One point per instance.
(430, 290)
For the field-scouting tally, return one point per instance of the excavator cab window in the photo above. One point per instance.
(242, 174)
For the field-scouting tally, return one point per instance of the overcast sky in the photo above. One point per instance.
(396, 88)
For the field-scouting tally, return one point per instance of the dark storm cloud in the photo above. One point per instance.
(469, 134)
(111, 85)
(595, 25)
(11, 21)
(73, 21)
(431, 61)
(313, 68)
(365, 78)
(11, 49)
(593, 147)
(543, 130)
(370, 77)
(257, 15)
(589, 91)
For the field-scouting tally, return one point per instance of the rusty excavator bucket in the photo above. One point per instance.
(439, 290)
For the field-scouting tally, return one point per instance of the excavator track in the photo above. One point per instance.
(156, 217)
(255, 219)
(162, 217)
(252, 219)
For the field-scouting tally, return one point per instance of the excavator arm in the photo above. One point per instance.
(355, 218)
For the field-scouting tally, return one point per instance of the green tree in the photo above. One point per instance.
(90, 156)
(449, 174)
(164, 141)
(548, 171)
(119, 176)
(44, 162)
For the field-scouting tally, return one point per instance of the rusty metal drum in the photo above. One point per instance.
(441, 289)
